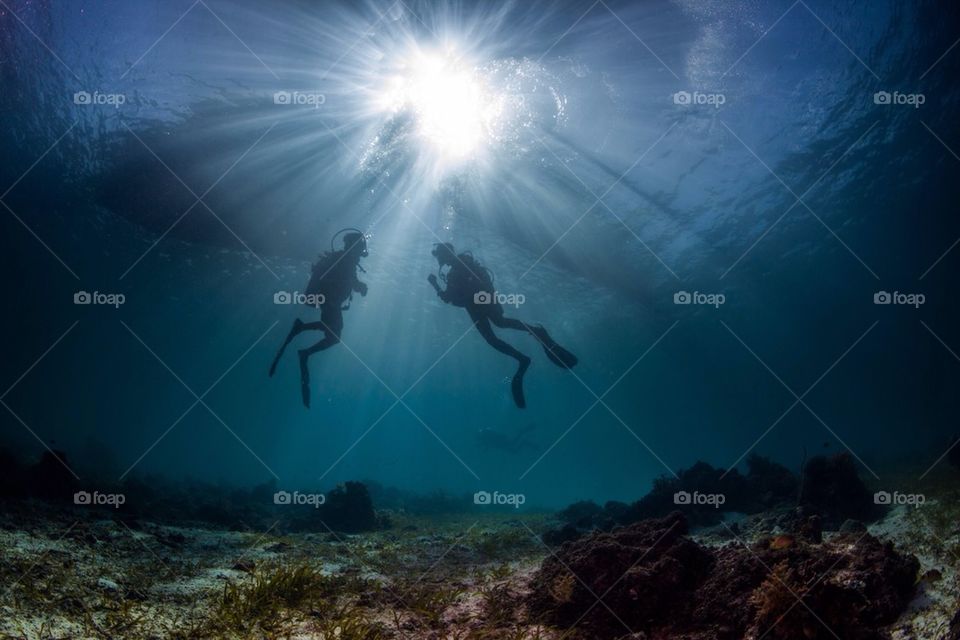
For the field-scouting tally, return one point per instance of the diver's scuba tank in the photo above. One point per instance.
(319, 282)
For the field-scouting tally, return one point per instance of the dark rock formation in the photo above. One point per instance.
(766, 485)
(581, 514)
(349, 509)
(653, 579)
(955, 628)
(566, 533)
(641, 571)
(51, 478)
(832, 487)
(13, 475)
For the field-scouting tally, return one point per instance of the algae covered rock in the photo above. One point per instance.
(349, 508)
(655, 580)
(642, 571)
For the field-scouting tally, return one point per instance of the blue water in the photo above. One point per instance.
(797, 198)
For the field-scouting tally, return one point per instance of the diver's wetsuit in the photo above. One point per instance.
(465, 280)
(335, 278)
(339, 283)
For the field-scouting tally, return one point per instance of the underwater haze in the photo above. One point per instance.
(480, 320)
(740, 216)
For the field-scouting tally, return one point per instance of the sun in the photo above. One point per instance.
(455, 111)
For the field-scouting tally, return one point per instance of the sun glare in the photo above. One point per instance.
(454, 110)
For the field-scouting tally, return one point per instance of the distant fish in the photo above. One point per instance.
(501, 441)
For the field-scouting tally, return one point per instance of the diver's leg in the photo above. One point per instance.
(295, 330)
(557, 354)
(497, 318)
(331, 322)
(482, 322)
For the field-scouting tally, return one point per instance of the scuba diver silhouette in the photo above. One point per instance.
(333, 280)
(470, 285)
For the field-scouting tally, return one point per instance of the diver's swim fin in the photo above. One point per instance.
(516, 385)
(305, 379)
(557, 354)
(294, 330)
(560, 356)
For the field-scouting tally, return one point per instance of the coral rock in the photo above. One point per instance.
(654, 580)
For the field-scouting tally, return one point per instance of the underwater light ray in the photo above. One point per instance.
(417, 143)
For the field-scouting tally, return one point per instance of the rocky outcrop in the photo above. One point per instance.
(652, 579)
(955, 628)
(766, 485)
(832, 487)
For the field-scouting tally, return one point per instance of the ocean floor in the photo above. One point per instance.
(65, 575)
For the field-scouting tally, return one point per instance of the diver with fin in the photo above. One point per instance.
(333, 280)
(469, 284)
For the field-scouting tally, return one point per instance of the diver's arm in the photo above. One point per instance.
(432, 279)
(359, 287)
